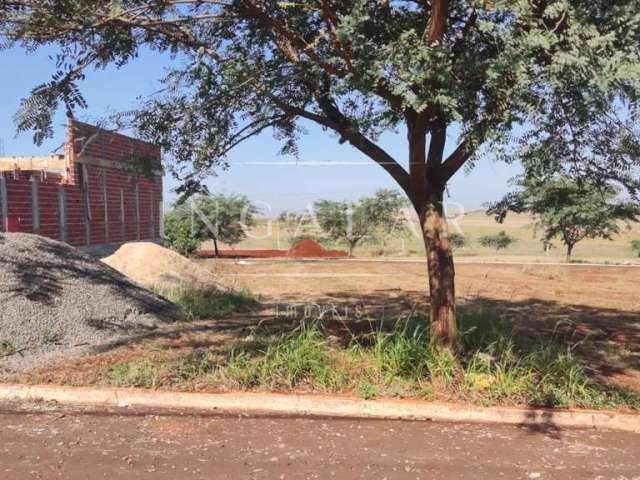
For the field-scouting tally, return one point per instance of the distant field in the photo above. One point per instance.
(269, 234)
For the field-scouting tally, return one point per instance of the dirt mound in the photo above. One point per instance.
(56, 301)
(308, 247)
(152, 265)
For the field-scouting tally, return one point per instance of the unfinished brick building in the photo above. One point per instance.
(106, 189)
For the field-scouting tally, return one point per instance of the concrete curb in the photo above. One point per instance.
(316, 405)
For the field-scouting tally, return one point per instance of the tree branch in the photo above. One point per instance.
(349, 132)
(437, 22)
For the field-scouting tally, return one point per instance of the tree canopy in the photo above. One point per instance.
(569, 209)
(367, 220)
(219, 217)
(357, 67)
(459, 76)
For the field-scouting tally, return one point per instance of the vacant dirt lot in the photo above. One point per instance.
(595, 309)
(572, 287)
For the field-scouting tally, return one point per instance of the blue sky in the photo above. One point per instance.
(325, 169)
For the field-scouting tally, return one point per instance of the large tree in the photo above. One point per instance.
(455, 74)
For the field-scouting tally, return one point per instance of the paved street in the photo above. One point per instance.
(127, 444)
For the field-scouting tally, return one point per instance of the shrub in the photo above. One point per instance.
(219, 218)
(457, 240)
(499, 241)
(180, 233)
(635, 246)
(7, 347)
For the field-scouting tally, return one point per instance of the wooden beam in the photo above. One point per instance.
(129, 167)
(52, 162)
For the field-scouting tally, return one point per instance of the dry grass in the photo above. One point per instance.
(268, 234)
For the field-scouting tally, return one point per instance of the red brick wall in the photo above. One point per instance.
(95, 142)
(105, 224)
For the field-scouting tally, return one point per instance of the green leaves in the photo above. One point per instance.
(499, 241)
(571, 210)
(246, 66)
(219, 217)
(367, 220)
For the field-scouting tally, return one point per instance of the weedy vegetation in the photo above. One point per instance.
(206, 303)
(493, 366)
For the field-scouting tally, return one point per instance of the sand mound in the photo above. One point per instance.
(56, 301)
(152, 265)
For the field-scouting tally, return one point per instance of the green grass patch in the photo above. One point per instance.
(138, 373)
(205, 303)
(492, 366)
(298, 358)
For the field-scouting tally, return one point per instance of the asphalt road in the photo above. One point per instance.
(124, 444)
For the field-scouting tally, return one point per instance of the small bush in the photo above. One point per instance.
(203, 303)
(7, 347)
(635, 246)
(500, 241)
(457, 240)
(180, 233)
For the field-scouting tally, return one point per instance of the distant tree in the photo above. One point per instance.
(500, 241)
(294, 224)
(635, 245)
(224, 218)
(457, 240)
(353, 223)
(570, 210)
(179, 231)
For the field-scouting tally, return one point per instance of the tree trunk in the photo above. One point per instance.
(352, 246)
(441, 274)
(569, 251)
(215, 247)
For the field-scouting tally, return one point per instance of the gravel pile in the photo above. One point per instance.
(56, 302)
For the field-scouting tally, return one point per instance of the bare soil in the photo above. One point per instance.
(596, 309)
(49, 443)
